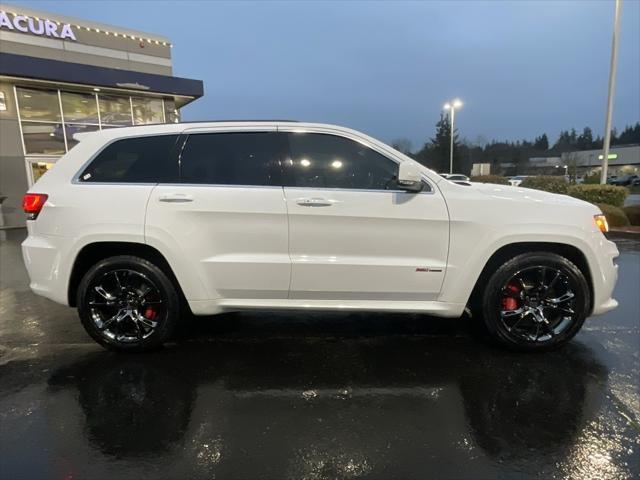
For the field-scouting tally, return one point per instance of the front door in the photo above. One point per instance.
(353, 235)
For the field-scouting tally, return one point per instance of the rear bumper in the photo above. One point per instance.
(43, 258)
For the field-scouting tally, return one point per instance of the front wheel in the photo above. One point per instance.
(127, 303)
(535, 301)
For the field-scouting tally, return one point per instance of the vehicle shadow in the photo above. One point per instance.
(293, 393)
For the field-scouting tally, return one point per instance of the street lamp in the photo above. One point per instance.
(451, 106)
(611, 93)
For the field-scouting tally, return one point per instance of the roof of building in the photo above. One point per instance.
(12, 65)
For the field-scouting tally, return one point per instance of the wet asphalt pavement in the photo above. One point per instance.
(315, 396)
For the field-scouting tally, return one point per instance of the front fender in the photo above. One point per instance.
(472, 246)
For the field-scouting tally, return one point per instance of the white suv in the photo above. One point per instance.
(136, 223)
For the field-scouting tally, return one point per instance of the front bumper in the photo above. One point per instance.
(604, 272)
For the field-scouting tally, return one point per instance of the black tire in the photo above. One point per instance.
(161, 300)
(520, 337)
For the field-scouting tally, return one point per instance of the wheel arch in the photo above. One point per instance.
(506, 252)
(92, 253)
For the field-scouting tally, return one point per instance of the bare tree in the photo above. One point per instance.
(402, 145)
(571, 162)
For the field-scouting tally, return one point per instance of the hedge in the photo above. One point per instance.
(615, 215)
(592, 179)
(490, 179)
(548, 183)
(608, 194)
(633, 214)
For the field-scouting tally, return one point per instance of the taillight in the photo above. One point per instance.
(32, 203)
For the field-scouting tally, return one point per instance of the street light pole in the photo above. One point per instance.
(451, 106)
(612, 89)
(453, 119)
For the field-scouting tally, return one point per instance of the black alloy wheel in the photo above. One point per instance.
(536, 301)
(127, 303)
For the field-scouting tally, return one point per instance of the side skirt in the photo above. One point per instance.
(438, 309)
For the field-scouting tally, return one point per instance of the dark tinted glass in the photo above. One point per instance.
(328, 161)
(135, 160)
(251, 158)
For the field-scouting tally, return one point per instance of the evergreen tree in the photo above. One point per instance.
(573, 137)
(435, 154)
(630, 135)
(566, 142)
(541, 143)
(585, 139)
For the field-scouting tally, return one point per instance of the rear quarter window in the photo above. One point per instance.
(135, 160)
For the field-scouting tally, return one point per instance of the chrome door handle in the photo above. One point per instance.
(314, 202)
(176, 198)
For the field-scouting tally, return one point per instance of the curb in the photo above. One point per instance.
(624, 233)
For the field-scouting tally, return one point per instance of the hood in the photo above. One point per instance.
(527, 195)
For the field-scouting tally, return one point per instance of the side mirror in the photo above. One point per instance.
(410, 177)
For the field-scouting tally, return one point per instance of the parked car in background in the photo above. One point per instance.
(625, 180)
(455, 177)
(517, 180)
(611, 179)
(135, 225)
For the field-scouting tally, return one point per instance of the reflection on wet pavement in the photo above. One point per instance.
(316, 396)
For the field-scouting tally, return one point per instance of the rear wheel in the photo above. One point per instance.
(535, 301)
(127, 303)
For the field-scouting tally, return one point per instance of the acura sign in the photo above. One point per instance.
(37, 26)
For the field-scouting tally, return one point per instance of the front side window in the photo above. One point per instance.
(135, 160)
(328, 161)
(247, 158)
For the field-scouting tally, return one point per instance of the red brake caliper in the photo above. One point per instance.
(150, 313)
(510, 299)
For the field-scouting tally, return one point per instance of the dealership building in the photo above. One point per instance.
(60, 76)
(623, 159)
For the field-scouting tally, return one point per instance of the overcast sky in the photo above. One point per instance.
(522, 68)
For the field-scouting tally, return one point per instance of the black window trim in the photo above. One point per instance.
(183, 135)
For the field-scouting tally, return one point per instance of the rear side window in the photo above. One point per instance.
(135, 160)
(243, 158)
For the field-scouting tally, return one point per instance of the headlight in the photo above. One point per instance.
(601, 223)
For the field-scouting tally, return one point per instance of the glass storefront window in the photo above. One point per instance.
(50, 118)
(171, 113)
(147, 111)
(39, 168)
(114, 110)
(79, 107)
(42, 105)
(43, 138)
(73, 128)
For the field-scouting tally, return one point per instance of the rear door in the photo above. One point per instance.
(225, 221)
(353, 235)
